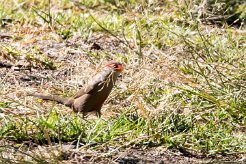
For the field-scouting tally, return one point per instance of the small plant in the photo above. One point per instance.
(65, 34)
(4, 104)
(45, 16)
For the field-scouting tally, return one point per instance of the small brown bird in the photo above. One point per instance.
(91, 97)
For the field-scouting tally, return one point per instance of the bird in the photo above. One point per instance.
(91, 97)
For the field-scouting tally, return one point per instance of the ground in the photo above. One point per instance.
(180, 99)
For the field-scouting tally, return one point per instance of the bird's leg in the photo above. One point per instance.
(98, 113)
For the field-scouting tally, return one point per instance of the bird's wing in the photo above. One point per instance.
(95, 84)
(80, 93)
(92, 86)
(98, 82)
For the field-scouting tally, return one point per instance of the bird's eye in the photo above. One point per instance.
(115, 66)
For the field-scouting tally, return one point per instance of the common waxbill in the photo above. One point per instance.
(91, 97)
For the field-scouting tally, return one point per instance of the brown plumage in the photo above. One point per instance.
(91, 97)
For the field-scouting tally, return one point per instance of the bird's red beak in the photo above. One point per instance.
(117, 66)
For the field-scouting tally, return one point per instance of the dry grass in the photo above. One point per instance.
(182, 86)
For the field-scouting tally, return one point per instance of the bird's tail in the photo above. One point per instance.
(66, 101)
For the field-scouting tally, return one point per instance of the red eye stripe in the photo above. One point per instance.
(117, 66)
(111, 65)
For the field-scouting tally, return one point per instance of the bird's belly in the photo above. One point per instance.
(89, 102)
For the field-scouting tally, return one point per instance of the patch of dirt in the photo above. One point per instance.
(68, 153)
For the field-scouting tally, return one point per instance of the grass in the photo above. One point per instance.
(183, 86)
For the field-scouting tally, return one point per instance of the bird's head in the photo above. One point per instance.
(118, 67)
